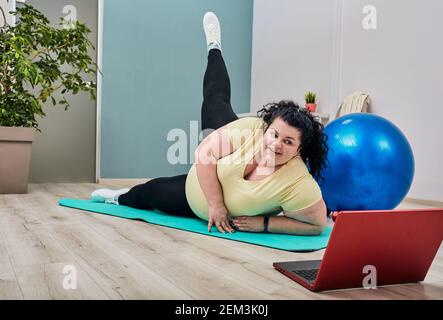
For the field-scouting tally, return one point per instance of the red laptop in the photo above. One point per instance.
(372, 248)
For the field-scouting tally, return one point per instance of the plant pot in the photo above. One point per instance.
(15, 159)
(311, 107)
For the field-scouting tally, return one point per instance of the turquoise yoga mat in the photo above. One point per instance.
(276, 241)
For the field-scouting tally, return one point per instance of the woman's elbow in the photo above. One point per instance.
(318, 225)
(320, 220)
(318, 229)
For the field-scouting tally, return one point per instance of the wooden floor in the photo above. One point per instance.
(123, 259)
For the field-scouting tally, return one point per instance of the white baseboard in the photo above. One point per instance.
(431, 203)
(127, 182)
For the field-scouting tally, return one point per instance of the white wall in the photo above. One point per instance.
(65, 149)
(293, 51)
(320, 45)
(400, 64)
(7, 7)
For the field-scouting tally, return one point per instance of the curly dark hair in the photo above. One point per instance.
(313, 148)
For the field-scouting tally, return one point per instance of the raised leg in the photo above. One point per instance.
(216, 109)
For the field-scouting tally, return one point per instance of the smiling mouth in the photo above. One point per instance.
(277, 153)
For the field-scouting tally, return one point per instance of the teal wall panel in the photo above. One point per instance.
(154, 58)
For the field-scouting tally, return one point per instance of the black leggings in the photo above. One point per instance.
(168, 194)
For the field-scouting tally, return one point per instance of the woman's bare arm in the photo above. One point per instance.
(309, 221)
(210, 150)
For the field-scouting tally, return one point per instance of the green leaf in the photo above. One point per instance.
(35, 53)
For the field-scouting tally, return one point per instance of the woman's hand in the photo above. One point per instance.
(250, 224)
(218, 216)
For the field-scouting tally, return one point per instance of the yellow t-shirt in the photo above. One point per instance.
(290, 188)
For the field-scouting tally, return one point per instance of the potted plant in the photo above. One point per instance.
(311, 106)
(38, 63)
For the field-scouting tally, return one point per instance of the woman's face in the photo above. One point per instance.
(281, 142)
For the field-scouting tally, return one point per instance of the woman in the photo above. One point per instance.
(246, 171)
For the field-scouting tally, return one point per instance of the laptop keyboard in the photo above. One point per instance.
(309, 274)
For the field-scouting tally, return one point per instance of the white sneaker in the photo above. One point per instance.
(107, 195)
(211, 25)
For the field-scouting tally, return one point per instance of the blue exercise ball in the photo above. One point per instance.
(371, 164)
